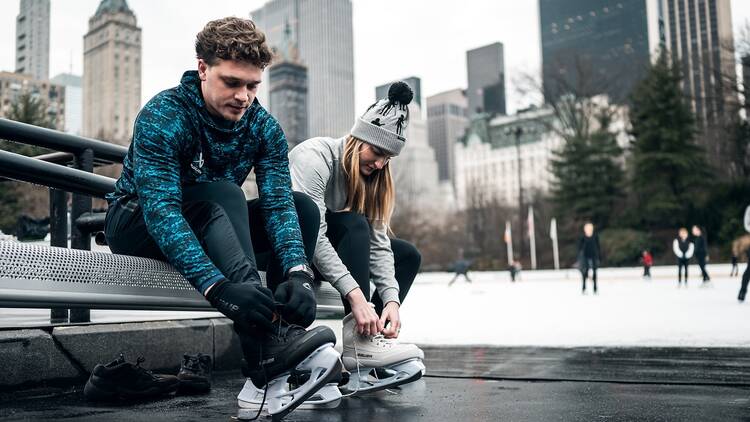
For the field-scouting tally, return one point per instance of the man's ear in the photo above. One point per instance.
(202, 68)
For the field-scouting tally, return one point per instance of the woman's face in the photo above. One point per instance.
(371, 159)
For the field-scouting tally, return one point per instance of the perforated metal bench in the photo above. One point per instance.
(33, 276)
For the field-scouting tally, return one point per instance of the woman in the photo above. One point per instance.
(350, 181)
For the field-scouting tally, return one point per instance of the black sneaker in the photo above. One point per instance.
(120, 380)
(195, 374)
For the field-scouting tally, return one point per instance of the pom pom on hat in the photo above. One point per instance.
(401, 93)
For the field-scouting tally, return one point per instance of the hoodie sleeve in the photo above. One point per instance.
(690, 251)
(275, 192)
(310, 174)
(382, 265)
(159, 132)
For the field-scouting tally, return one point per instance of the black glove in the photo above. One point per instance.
(244, 303)
(298, 299)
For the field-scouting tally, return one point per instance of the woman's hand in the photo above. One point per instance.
(390, 314)
(367, 320)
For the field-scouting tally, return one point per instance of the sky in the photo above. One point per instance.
(393, 39)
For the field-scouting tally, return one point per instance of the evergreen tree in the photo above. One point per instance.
(668, 168)
(26, 109)
(588, 174)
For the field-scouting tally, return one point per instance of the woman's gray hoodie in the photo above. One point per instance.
(316, 170)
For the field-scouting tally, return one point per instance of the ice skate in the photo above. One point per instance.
(377, 363)
(287, 367)
(328, 397)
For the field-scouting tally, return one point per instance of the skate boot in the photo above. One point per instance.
(377, 363)
(286, 367)
(328, 397)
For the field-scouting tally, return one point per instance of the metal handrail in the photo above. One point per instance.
(27, 169)
(60, 141)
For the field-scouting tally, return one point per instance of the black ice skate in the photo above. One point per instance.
(287, 367)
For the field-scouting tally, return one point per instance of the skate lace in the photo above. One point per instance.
(280, 333)
(380, 340)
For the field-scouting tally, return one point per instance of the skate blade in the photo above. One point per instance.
(403, 373)
(250, 399)
(324, 365)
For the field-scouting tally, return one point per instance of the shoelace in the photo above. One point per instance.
(138, 363)
(263, 366)
(380, 339)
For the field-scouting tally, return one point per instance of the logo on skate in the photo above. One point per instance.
(307, 286)
(364, 355)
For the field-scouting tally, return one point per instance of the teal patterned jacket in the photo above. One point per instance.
(177, 143)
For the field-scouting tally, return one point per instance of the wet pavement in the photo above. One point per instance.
(476, 383)
(429, 399)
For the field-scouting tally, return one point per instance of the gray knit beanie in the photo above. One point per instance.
(384, 123)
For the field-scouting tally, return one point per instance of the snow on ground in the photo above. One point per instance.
(546, 308)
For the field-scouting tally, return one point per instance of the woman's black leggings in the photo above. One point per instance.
(230, 229)
(349, 234)
(682, 263)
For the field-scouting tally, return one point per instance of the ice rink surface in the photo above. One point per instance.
(547, 308)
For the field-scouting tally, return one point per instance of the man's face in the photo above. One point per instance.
(696, 231)
(683, 234)
(229, 87)
(372, 159)
(588, 229)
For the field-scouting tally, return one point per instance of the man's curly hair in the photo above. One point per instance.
(233, 38)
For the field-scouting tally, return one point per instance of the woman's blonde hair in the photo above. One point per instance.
(373, 195)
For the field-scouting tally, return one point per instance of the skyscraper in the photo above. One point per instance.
(486, 85)
(699, 36)
(111, 72)
(32, 38)
(322, 30)
(595, 46)
(73, 101)
(414, 83)
(447, 122)
(287, 81)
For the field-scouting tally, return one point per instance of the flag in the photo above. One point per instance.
(530, 221)
(553, 229)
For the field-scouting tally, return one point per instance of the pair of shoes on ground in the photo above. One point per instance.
(122, 380)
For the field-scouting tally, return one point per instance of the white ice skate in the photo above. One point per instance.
(295, 382)
(377, 363)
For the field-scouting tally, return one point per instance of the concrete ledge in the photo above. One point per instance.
(162, 343)
(31, 357)
(227, 351)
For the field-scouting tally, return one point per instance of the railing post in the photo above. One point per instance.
(78, 238)
(58, 232)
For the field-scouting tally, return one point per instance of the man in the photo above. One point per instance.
(701, 252)
(588, 255)
(179, 199)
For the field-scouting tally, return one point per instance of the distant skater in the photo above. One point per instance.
(461, 267)
(683, 249)
(701, 252)
(588, 255)
(648, 261)
(515, 270)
